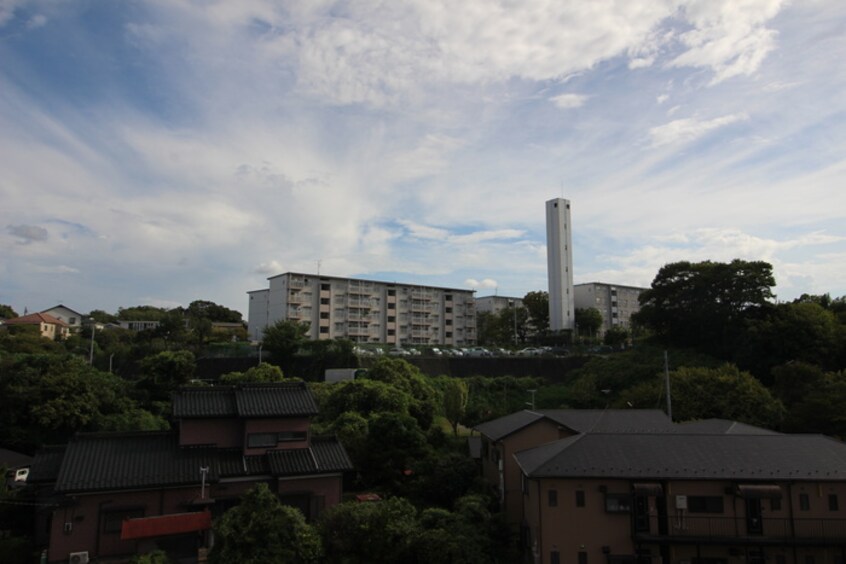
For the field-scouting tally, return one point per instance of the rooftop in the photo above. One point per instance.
(284, 399)
(580, 421)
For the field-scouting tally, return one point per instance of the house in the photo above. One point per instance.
(365, 311)
(118, 494)
(502, 438)
(46, 325)
(727, 498)
(73, 318)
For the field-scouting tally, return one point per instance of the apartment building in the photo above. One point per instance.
(365, 311)
(616, 303)
(497, 304)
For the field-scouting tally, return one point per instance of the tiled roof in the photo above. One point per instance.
(722, 426)
(131, 460)
(285, 399)
(693, 456)
(581, 421)
(45, 465)
(114, 461)
(35, 319)
(324, 455)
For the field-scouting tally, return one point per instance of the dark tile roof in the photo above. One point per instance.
(131, 460)
(688, 456)
(45, 465)
(324, 455)
(581, 421)
(13, 459)
(721, 426)
(286, 399)
(115, 461)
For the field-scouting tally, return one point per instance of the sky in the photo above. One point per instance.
(159, 152)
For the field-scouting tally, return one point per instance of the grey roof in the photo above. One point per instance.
(45, 465)
(285, 399)
(115, 461)
(581, 421)
(688, 456)
(722, 426)
(13, 459)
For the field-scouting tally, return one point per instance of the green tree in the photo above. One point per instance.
(537, 306)
(588, 322)
(162, 373)
(423, 400)
(213, 312)
(284, 338)
(455, 401)
(820, 409)
(616, 336)
(704, 304)
(394, 443)
(6, 312)
(263, 373)
(261, 529)
(362, 396)
(142, 313)
(380, 532)
(101, 316)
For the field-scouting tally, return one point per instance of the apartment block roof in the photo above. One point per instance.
(580, 421)
(284, 399)
(688, 456)
(121, 461)
(383, 282)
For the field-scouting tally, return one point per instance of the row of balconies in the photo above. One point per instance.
(759, 530)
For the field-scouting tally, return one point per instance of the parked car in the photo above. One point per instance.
(397, 351)
(478, 351)
(530, 351)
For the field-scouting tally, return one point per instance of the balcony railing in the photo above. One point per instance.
(764, 529)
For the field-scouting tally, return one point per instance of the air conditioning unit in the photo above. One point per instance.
(78, 557)
(681, 502)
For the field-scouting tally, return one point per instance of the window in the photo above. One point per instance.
(449, 321)
(324, 301)
(324, 315)
(392, 292)
(833, 505)
(448, 297)
(392, 306)
(258, 440)
(292, 436)
(580, 502)
(392, 319)
(113, 518)
(552, 498)
(324, 329)
(449, 334)
(705, 504)
(325, 286)
(392, 332)
(804, 502)
(618, 503)
(448, 310)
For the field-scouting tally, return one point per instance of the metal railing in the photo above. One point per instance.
(763, 528)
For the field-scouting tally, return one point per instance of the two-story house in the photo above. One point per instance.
(679, 498)
(118, 494)
(502, 438)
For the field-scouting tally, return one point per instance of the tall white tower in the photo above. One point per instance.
(559, 257)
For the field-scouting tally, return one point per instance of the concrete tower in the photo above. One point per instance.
(559, 256)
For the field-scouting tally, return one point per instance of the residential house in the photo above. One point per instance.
(502, 438)
(677, 498)
(73, 318)
(46, 325)
(118, 494)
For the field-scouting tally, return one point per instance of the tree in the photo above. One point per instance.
(212, 311)
(142, 313)
(537, 306)
(616, 336)
(364, 397)
(394, 443)
(263, 373)
(284, 338)
(6, 312)
(261, 529)
(166, 371)
(379, 532)
(455, 401)
(408, 378)
(588, 322)
(703, 304)
(101, 316)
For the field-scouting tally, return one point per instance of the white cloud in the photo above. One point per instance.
(567, 101)
(688, 129)
(486, 283)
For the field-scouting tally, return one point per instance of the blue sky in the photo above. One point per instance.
(157, 152)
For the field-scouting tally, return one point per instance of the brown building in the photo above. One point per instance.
(45, 324)
(504, 437)
(679, 498)
(118, 494)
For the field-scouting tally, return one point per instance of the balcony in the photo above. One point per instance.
(732, 530)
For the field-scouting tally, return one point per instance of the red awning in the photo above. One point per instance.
(161, 525)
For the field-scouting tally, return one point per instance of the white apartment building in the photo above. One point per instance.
(616, 303)
(365, 311)
(497, 304)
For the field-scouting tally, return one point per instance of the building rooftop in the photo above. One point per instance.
(580, 421)
(688, 456)
(385, 282)
(35, 319)
(284, 399)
